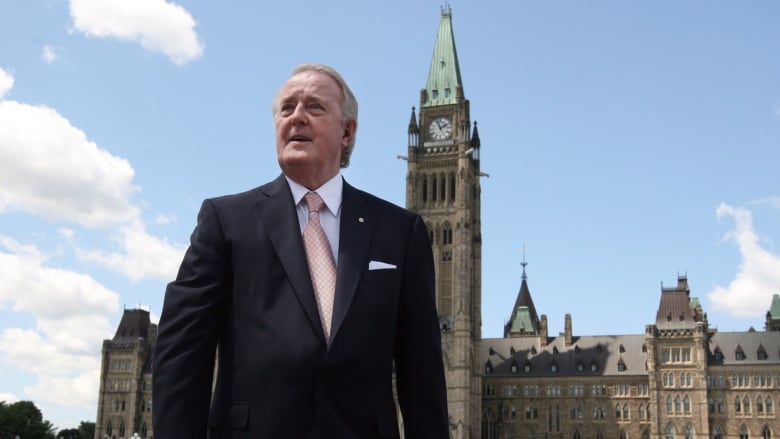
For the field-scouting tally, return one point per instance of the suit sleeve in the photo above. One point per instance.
(422, 391)
(193, 312)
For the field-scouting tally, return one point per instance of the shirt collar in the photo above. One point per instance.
(330, 192)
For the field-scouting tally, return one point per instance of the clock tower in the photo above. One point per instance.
(443, 186)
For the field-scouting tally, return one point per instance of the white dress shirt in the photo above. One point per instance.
(330, 218)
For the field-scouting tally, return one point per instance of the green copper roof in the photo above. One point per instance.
(444, 75)
(522, 323)
(774, 310)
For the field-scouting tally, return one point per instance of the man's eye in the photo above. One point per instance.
(286, 108)
(315, 106)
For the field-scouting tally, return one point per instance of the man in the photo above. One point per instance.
(306, 348)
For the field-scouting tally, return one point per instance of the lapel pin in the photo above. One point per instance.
(361, 219)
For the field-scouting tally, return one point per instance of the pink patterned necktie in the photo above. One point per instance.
(321, 266)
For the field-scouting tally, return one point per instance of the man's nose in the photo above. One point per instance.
(298, 116)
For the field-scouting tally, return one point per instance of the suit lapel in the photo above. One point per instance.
(357, 227)
(278, 213)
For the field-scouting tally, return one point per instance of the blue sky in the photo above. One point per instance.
(626, 142)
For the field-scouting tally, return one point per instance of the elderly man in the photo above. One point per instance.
(310, 292)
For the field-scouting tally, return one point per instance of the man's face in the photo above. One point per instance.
(309, 133)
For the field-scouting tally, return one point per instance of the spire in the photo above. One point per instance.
(413, 124)
(524, 319)
(444, 86)
(474, 137)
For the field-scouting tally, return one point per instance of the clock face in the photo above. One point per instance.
(440, 128)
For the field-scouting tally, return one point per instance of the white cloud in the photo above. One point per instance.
(66, 232)
(143, 255)
(8, 398)
(159, 26)
(70, 309)
(750, 292)
(165, 219)
(49, 168)
(49, 54)
(6, 82)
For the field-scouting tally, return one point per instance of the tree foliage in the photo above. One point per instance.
(25, 420)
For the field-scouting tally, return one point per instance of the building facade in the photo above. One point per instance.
(125, 395)
(680, 379)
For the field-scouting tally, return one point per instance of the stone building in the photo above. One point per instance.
(125, 398)
(680, 379)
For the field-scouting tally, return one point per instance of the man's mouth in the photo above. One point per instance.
(299, 138)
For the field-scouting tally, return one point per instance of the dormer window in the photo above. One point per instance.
(555, 350)
(533, 350)
(622, 348)
(488, 367)
(554, 367)
(580, 366)
(514, 367)
(621, 366)
(761, 354)
(599, 349)
(527, 367)
(576, 349)
(594, 367)
(718, 354)
(739, 355)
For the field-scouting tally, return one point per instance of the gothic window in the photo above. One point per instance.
(765, 433)
(452, 187)
(686, 404)
(746, 405)
(668, 404)
(648, 411)
(576, 435)
(143, 430)
(513, 413)
(599, 435)
(425, 189)
(689, 434)
(669, 433)
(677, 405)
(769, 404)
(759, 405)
(618, 411)
(626, 412)
(488, 367)
(642, 411)
(717, 433)
(109, 429)
(623, 434)
(744, 433)
(122, 429)
(737, 405)
(711, 405)
(686, 355)
(721, 405)
(434, 187)
(645, 434)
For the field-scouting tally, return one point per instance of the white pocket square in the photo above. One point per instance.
(377, 265)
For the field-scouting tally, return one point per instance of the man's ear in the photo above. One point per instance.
(350, 127)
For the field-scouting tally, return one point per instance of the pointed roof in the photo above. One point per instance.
(774, 310)
(444, 74)
(475, 143)
(675, 310)
(524, 319)
(413, 123)
(134, 325)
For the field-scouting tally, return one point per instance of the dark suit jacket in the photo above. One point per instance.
(244, 286)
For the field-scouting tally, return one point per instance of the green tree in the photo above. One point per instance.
(69, 433)
(25, 420)
(87, 430)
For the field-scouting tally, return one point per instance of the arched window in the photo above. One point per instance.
(434, 187)
(689, 434)
(442, 188)
(677, 405)
(645, 434)
(143, 430)
(686, 404)
(626, 412)
(765, 433)
(576, 435)
(744, 433)
(759, 405)
(668, 404)
(717, 433)
(599, 435)
(618, 412)
(670, 432)
(109, 429)
(623, 434)
(425, 189)
(452, 186)
(122, 429)
(768, 404)
(746, 405)
(737, 405)
(642, 411)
